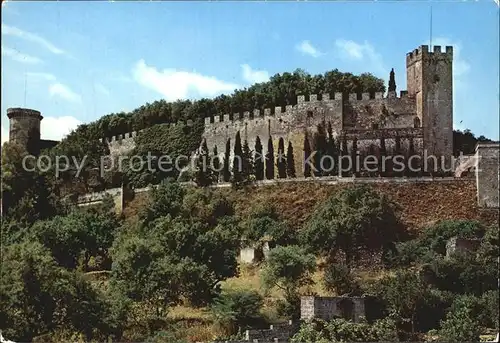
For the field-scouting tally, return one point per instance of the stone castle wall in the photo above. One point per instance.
(364, 117)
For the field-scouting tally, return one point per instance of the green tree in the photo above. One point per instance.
(77, 237)
(203, 174)
(27, 193)
(290, 161)
(404, 293)
(281, 163)
(354, 157)
(340, 279)
(345, 157)
(248, 164)
(38, 296)
(392, 81)
(270, 159)
(357, 217)
(236, 310)
(216, 165)
(320, 147)
(288, 268)
(340, 330)
(461, 324)
(332, 152)
(165, 199)
(307, 153)
(226, 173)
(259, 160)
(237, 160)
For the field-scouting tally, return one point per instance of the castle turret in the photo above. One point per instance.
(25, 128)
(430, 82)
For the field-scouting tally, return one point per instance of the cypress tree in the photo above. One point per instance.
(383, 153)
(202, 175)
(392, 81)
(320, 146)
(344, 161)
(355, 166)
(237, 159)
(307, 153)
(259, 160)
(226, 174)
(372, 152)
(281, 163)
(215, 165)
(270, 159)
(290, 161)
(248, 164)
(332, 151)
(411, 166)
(398, 152)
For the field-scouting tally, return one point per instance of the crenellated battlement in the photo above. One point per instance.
(133, 134)
(423, 53)
(314, 101)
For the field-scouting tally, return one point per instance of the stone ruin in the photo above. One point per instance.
(328, 308)
(461, 245)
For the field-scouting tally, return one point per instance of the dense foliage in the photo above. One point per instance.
(340, 330)
(280, 90)
(356, 218)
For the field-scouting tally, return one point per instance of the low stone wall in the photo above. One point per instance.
(277, 333)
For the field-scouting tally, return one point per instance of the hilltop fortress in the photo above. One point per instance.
(422, 115)
(420, 118)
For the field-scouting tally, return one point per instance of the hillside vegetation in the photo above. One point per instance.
(168, 269)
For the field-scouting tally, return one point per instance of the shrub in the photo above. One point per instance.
(357, 217)
(237, 309)
(461, 324)
(339, 278)
(340, 330)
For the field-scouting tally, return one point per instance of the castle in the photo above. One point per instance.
(422, 116)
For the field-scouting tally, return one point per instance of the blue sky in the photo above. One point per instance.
(77, 61)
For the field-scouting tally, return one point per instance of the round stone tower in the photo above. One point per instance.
(25, 128)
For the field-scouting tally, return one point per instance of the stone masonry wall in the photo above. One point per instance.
(487, 174)
(362, 116)
(328, 308)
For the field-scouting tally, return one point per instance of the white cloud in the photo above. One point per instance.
(308, 49)
(55, 128)
(254, 76)
(174, 84)
(101, 89)
(14, 31)
(361, 52)
(63, 91)
(19, 56)
(36, 76)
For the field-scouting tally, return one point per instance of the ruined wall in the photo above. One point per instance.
(328, 308)
(276, 333)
